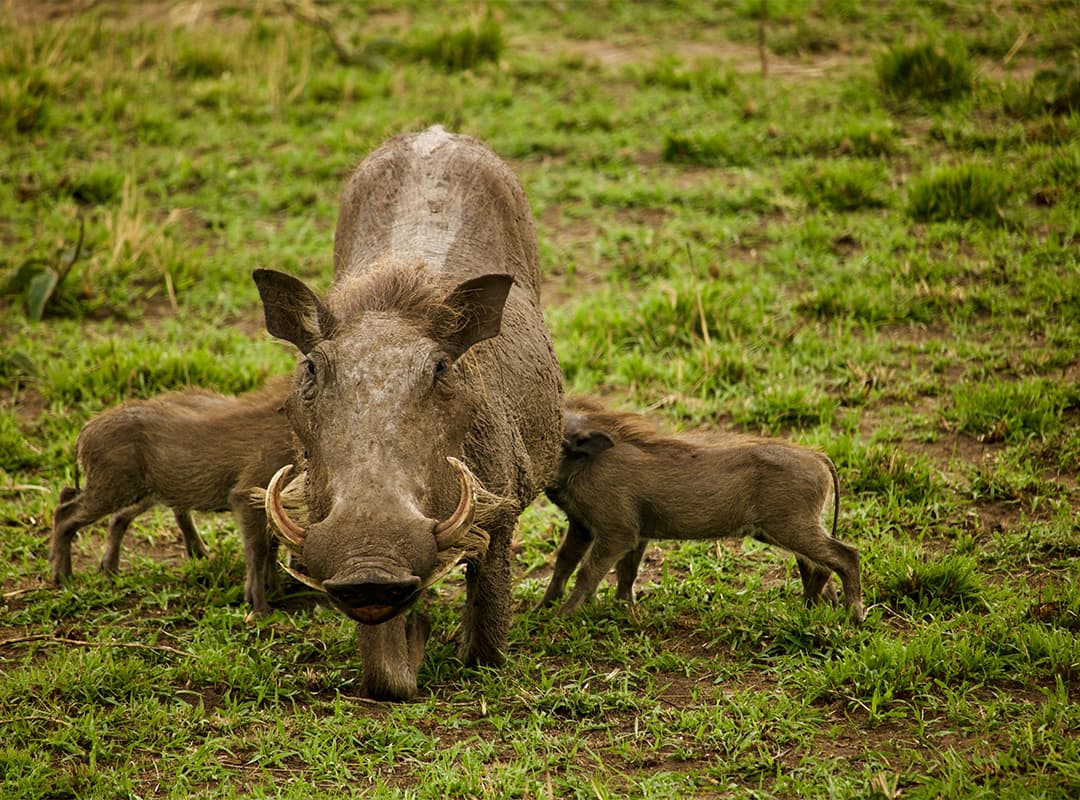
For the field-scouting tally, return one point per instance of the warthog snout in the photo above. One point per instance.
(373, 582)
(374, 597)
(385, 574)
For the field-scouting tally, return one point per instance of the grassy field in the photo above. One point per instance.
(851, 224)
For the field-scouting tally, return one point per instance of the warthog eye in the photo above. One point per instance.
(441, 366)
(309, 379)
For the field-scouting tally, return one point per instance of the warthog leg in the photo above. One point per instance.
(118, 526)
(815, 545)
(626, 571)
(391, 654)
(485, 623)
(571, 551)
(599, 561)
(815, 579)
(77, 510)
(193, 543)
(260, 549)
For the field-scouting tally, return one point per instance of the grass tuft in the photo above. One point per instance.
(1054, 90)
(715, 148)
(14, 452)
(201, 59)
(25, 105)
(917, 584)
(707, 78)
(930, 70)
(971, 191)
(776, 409)
(462, 48)
(883, 469)
(99, 183)
(1010, 411)
(1059, 87)
(842, 185)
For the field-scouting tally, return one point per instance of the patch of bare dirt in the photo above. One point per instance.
(158, 307)
(741, 57)
(87, 548)
(30, 11)
(557, 286)
(177, 14)
(649, 216)
(1011, 69)
(27, 403)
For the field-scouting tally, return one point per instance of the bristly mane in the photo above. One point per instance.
(621, 426)
(408, 289)
(644, 433)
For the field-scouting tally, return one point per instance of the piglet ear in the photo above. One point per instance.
(478, 307)
(588, 443)
(292, 310)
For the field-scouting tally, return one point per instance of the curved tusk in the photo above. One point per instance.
(450, 530)
(307, 580)
(292, 534)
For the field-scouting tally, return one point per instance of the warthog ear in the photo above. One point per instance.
(478, 305)
(292, 310)
(589, 443)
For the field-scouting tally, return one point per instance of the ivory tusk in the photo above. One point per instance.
(292, 534)
(449, 531)
(307, 580)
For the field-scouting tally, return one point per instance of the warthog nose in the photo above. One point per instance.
(372, 591)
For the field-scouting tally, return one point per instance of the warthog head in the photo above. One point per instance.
(380, 408)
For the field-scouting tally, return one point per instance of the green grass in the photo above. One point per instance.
(462, 48)
(841, 185)
(1012, 411)
(968, 191)
(927, 70)
(871, 249)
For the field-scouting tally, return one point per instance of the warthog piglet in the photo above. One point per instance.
(190, 450)
(621, 483)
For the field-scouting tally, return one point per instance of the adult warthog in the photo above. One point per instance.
(427, 379)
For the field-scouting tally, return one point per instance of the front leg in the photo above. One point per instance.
(486, 621)
(571, 551)
(608, 547)
(260, 552)
(391, 655)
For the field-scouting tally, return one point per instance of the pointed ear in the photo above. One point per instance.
(478, 304)
(587, 443)
(292, 310)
